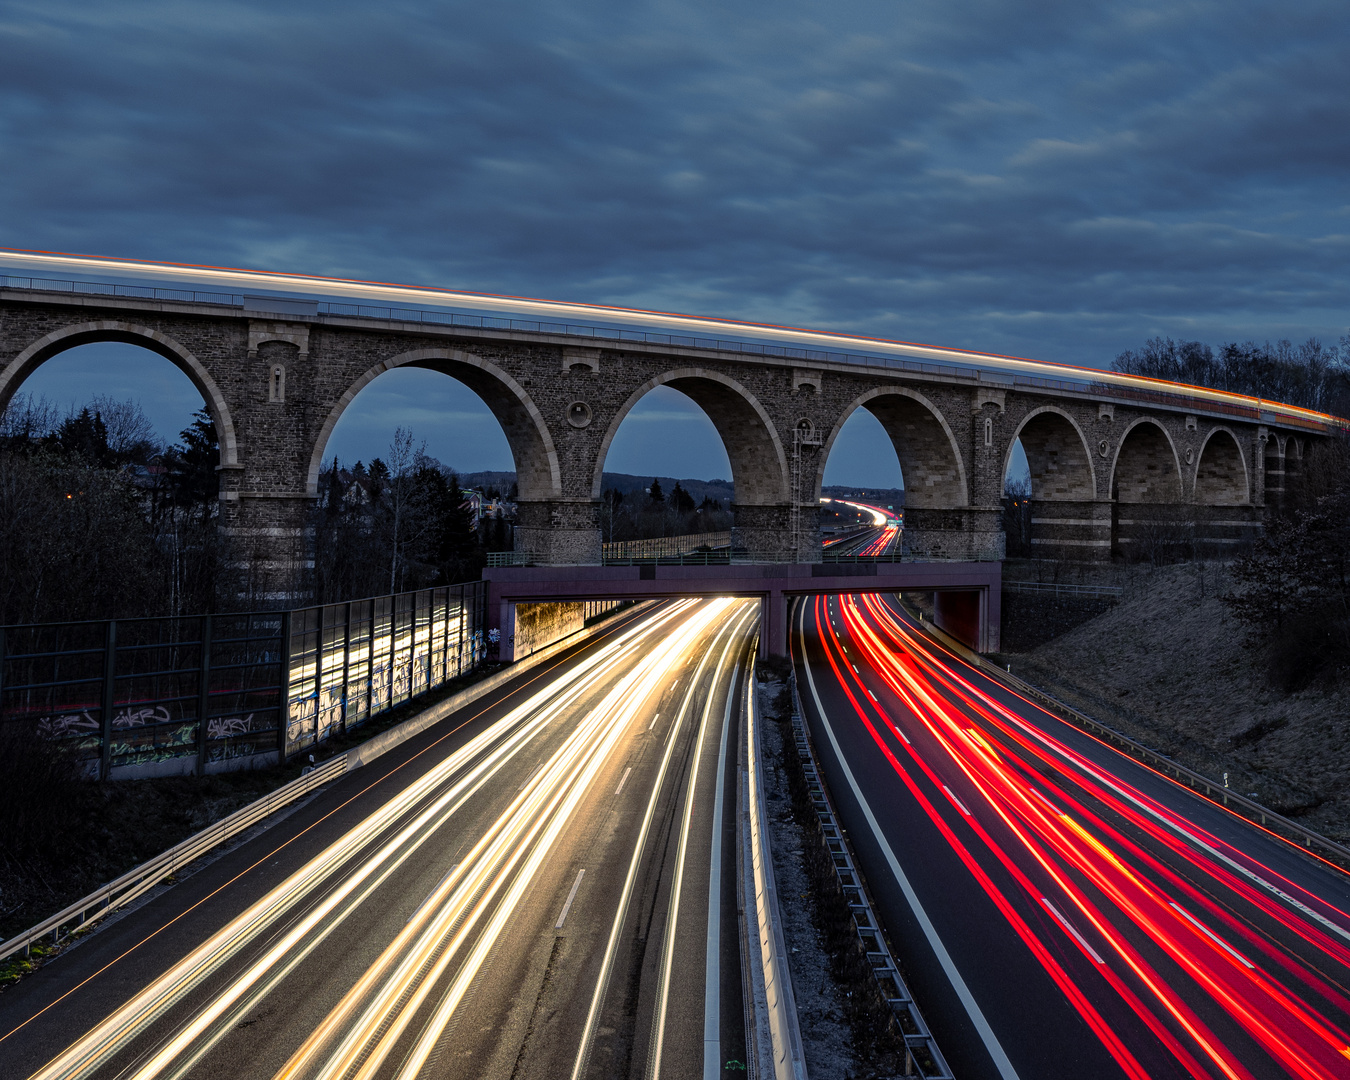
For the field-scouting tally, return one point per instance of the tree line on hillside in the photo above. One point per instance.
(1311, 375)
(652, 513)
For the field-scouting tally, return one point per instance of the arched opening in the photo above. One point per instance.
(706, 433)
(1047, 507)
(420, 471)
(109, 502)
(1147, 518)
(862, 481)
(1058, 466)
(929, 464)
(532, 451)
(934, 477)
(1221, 476)
(1146, 467)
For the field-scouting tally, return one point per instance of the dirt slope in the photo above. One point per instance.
(1168, 666)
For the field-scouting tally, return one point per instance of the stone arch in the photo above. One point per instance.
(59, 341)
(1221, 472)
(759, 468)
(536, 458)
(1058, 456)
(930, 457)
(1146, 468)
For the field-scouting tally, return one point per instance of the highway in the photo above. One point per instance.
(544, 888)
(1062, 910)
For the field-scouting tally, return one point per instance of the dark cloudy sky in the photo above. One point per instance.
(1058, 179)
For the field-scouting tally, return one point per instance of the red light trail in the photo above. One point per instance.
(1182, 953)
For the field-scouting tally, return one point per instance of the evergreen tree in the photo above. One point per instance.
(655, 492)
(86, 436)
(680, 500)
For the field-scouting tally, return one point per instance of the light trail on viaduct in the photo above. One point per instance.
(538, 891)
(1064, 910)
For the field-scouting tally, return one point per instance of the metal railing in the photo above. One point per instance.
(924, 1059)
(654, 547)
(192, 693)
(440, 317)
(1056, 589)
(108, 898)
(729, 557)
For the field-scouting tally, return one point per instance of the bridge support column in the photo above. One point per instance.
(559, 532)
(268, 543)
(1074, 530)
(765, 530)
(1222, 530)
(966, 533)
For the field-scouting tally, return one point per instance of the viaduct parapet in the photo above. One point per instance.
(1111, 459)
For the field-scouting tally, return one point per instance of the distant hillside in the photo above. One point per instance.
(721, 490)
(502, 481)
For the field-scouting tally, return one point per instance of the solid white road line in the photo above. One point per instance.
(570, 897)
(973, 1010)
(712, 971)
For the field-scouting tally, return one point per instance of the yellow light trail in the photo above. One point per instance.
(470, 768)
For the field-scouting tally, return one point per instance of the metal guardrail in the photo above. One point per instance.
(923, 1058)
(789, 1060)
(1113, 591)
(1337, 854)
(106, 899)
(440, 317)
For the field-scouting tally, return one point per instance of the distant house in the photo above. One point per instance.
(473, 503)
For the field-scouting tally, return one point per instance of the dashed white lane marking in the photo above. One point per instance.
(654, 720)
(570, 897)
(433, 891)
(1072, 931)
(1212, 935)
(959, 804)
(623, 779)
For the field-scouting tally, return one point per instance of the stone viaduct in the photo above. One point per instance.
(1112, 459)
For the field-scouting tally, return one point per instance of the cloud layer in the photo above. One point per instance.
(1054, 179)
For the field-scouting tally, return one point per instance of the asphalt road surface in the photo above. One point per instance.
(538, 889)
(1063, 911)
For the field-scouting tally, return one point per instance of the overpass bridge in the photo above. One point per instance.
(278, 358)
